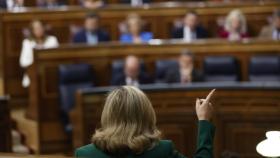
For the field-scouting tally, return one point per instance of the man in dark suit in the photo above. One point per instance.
(132, 74)
(11, 4)
(185, 72)
(91, 34)
(3, 4)
(191, 29)
(135, 2)
(51, 4)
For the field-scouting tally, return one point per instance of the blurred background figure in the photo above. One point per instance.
(135, 33)
(132, 74)
(235, 27)
(91, 33)
(272, 31)
(92, 4)
(11, 4)
(50, 4)
(191, 29)
(38, 39)
(135, 2)
(185, 73)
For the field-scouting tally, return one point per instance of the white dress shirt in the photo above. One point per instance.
(136, 2)
(276, 34)
(129, 81)
(189, 35)
(186, 75)
(91, 38)
(27, 57)
(13, 6)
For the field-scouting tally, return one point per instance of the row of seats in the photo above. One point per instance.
(219, 68)
(216, 68)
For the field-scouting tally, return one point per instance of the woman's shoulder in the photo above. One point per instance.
(163, 149)
(164, 145)
(85, 149)
(89, 151)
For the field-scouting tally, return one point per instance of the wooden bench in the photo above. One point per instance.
(5, 125)
(12, 155)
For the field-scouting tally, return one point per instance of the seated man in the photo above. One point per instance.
(185, 73)
(191, 29)
(135, 2)
(272, 31)
(11, 4)
(132, 74)
(91, 34)
(51, 4)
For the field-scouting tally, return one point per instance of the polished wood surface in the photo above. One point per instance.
(11, 155)
(5, 126)
(44, 101)
(159, 18)
(242, 115)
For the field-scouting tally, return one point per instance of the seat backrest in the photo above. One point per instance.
(264, 68)
(221, 68)
(162, 66)
(75, 73)
(73, 77)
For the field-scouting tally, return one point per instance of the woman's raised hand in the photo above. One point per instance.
(204, 107)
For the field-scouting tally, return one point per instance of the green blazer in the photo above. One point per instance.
(164, 149)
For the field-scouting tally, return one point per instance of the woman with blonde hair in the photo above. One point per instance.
(235, 27)
(128, 129)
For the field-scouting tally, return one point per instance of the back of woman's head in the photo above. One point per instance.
(128, 122)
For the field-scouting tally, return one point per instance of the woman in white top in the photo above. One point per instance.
(38, 39)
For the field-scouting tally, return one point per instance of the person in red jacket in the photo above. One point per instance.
(235, 27)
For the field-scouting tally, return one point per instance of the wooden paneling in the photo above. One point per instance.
(5, 126)
(159, 19)
(44, 98)
(12, 155)
(242, 115)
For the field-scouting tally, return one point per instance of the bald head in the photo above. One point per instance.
(132, 67)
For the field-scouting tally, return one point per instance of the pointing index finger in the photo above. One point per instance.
(210, 95)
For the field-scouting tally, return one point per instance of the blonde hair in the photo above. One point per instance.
(236, 13)
(128, 122)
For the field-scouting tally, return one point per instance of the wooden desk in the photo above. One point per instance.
(243, 113)
(44, 106)
(159, 18)
(5, 126)
(11, 155)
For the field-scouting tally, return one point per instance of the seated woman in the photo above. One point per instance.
(128, 129)
(235, 27)
(92, 4)
(135, 33)
(38, 39)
